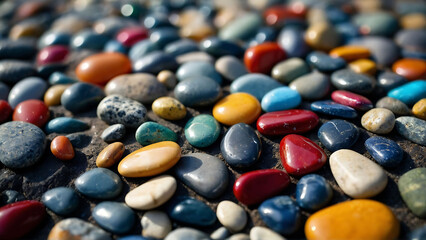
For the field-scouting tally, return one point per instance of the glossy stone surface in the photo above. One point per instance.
(350, 53)
(236, 108)
(333, 109)
(322, 36)
(419, 109)
(131, 35)
(197, 91)
(241, 28)
(4, 91)
(363, 66)
(377, 23)
(412, 129)
(155, 224)
(52, 54)
(313, 192)
(230, 67)
(26, 89)
(192, 212)
(263, 57)
(337, 134)
(77, 228)
(394, 105)
(354, 82)
(410, 68)
(409, 93)
(110, 155)
(383, 50)
(195, 69)
(181, 46)
(118, 109)
(231, 215)
(142, 48)
(62, 148)
(114, 216)
(290, 69)
(88, 184)
(387, 81)
(168, 108)
(52, 97)
(88, 39)
(255, 84)
(5, 111)
(352, 100)
(81, 97)
(219, 47)
(259, 233)
(411, 186)
(202, 130)
(61, 200)
(312, 86)
(385, 151)
(61, 78)
(114, 133)
(167, 78)
(31, 111)
(281, 214)
(12, 71)
(324, 62)
(291, 39)
(65, 125)
(152, 132)
(154, 63)
(378, 120)
(186, 233)
(282, 98)
(20, 49)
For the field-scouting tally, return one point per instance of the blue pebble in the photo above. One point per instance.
(197, 91)
(13, 71)
(89, 184)
(338, 134)
(385, 151)
(313, 192)
(336, 15)
(115, 46)
(324, 62)
(4, 91)
(88, 39)
(219, 47)
(17, 49)
(61, 78)
(135, 237)
(409, 93)
(195, 69)
(417, 234)
(10, 196)
(65, 125)
(81, 97)
(26, 89)
(61, 200)
(347, 31)
(264, 34)
(193, 212)
(333, 109)
(281, 214)
(115, 217)
(181, 46)
(156, 20)
(387, 81)
(155, 62)
(163, 36)
(142, 48)
(292, 40)
(114, 133)
(202, 130)
(282, 98)
(51, 38)
(409, 53)
(255, 84)
(412, 39)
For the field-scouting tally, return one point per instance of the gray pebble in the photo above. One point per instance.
(12, 71)
(114, 133)
(220, 234)
(412, 128)
(186, 233)
(118, 109)
(395, 105)
(312, 86)
(75, 228)
(230, 67)
(28, 88)
(290, 69)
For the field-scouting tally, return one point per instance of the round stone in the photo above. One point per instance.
(383, 50)
(378, 120)
(155, 224)
(114, 133)
(77, 228)
(411, 186)
(263, 57)
(191, 211)
(351, 81)
(376, 23)
(413, 129)
(88, 184)
(26, 89)
(419, 109)
(196, 69)
(110, 155)
(115, 217)
(290, 69)
(155, 62)
(386, 152)
(186, 233)
(241, 28)
(255, 84)
(32, 111)
(236, 108)
(322, 36)
(363, 66)
(118, 109)
(81, 97)
(231, 215)
(337, 134)
(197, 91)
(394, 105)
(152, 132)
(313, 192)
(202, 130)
(62, 148)
(169, 108)
(52, 54)
(259, 233)
(230, 67)
(311, 86)
(281, 98)
(324, 62)
(291, 39)
(61, 200)
(167, 78)
(387, 81)
(130, 35)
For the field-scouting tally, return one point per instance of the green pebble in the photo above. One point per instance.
(202, 130)
(152, 132)
(412, 187)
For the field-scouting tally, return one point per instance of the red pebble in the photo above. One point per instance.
(256, 186)
(263, 57)
(52, 54)
(300, 155)
(32, 111)
(62, 148)
(352, 100)
(277, 15)
(18, 219)
(5, 111)
(131, 35)
(288, 121)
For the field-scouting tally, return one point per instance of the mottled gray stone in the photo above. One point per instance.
(413, 129)
(395, 105)
(118, 109)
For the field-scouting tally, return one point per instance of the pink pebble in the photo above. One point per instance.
(131, 35)
(52, 54)
(352, 100)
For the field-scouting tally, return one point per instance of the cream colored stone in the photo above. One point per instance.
(155, 224)
(263, 233)
(378, 120)
(231, 215)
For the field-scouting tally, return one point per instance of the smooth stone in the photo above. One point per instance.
(109, 26)
(155, 224)
(194, 56)
(313, 192)
(410, 68)
(88, 184)
(142, 48)
(412, 129)
(115, 217)
(230, 67)
(363, 66)
(322, 36)
(291, 39)
(13, 71)
(377, 23)
(282, 98)
(260, 233)
(419, 109)
(350, 53)
(220, 234)
(191, 211)
(167, 78)
(241, 28)
(150, 160)
(61, 200)
(202, 130)
(281, 214)
(312, 86)
(300, 155)
(290, 69)
(337, 134)
(348, 31)
(236, 108)
(241, 146)
(386, 152)
(32, 111)
(20, 49)
(196, 69)
(62, 148)
(411, 39)
(163, 36)
(81, 97)
(79, 140)
(409, 93)
(61, 78)
(331, 108)
(324, 62)
(263, 57)
(21, 144)
(187, 234)
(51, 55)
(115, 109)
(354, 219)
(231, 215)
(387, 81)
(52, 97)
(114, 133)
(239, 236)
(51, 38)
(4, 91)
(356, 175)
(349, 80)
(394, 105)
(152, 132)
(418, 233)
(378, 120)
(26, 89)
(207, 175)
(142, 87)
(411, 186)
(110, 155)
(218, 48)
(352, 100)
(256, 186)
(65, 125)
(11, 196)
(255, 84)
(115, 46)
(169, 108)
(155, 62)
(197, 91)
(287, 121)
(130, 35)
(88, 39)
(181, 46)
(5, 111)
(280, 15)
(383, 50)
(45, 71)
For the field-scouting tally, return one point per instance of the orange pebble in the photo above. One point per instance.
(62, 148)
(410, 68)
(350, 53)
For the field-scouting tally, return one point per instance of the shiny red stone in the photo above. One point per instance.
(17, 219)
(131, 35)
(5, 111)
(288, 121)
(352, 100)
(32, 111)
(256, 186)
(300, 155)
(52, 54)
(263, 57)
(277, 15)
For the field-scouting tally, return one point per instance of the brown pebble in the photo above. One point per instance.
(110, 155)
(62, 148)
(52, 97)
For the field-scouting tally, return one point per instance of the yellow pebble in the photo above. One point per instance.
(364, 66)
(413, 21)
(150, 160)
(169, 108)
(110, 155)
(350, 53)
(237, 108)
(419, 109)
(52, 97)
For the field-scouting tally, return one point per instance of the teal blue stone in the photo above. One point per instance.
(409, 93)
(191, 211)
(81, 96)
(195, 69)
(142, 48)
(61, 200)
(378, 23)
(155, 62)
(281, 214)
(181, 46)
(282, 98)
(26, 89)
(202, 130)
(255, 84)
(152, 132)
(114, 217)
(218, 47)
(197, 91)
(99, 183)
(242, 28)
(65, 125)
(115, 46)
(324, 62)
(50, 38)
(164, 35)
(88, 39)
(61, 78)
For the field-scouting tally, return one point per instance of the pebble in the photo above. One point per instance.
(322, 36)
(387, 81)
(142, 48)
(378, 120)
(20, 218)
(409, 93)
(418, 233)
(263, 57)
(260, 233)
(62, 148)
(80, 97)
(282, 98)
(419, 109)
(155, 224)
(52, 55)
(351, 81)
(363, 66)
(32, 111)
(75, 228)
(152, 132)
(155, 62)
(290, 69)
(331, 108)
(202, 130)
(167, 78)
(197, 91)
(115, 217)
(20, 49)
(181, 46)
(411, 186)
(88, 184)
(207, 175)
(236, 108)
(150, 160)
(11, 196)
(26, 89)
(312, 86)
(65, 125)
(52, 38)
(52, 97)
(4, 91)
(300, 155)
(192, 212)
(383, 50)
(169, 108)
(130, 35)
(386, 152)
(412, 129)
(115, 109)
(218, 48)
(376, 23)
(410, 68)
(13, 71)
(220, 233)
(241, 28)
(21, 144)
(411, 39)
(255, 84)
(110, 155)
(231, 215)
(241, 146)
(61, 78)
(354, 219)
(352, 100)
(394, 105)
(230, 67)
(337, 134)
(163, 36)
(313, 192)
(195, 69)
(350, 53)
(194, 56)
(287, 121)
(239, 236)
(186, 233)
(324, 62)
(356, 175)
(281, 214)
(115, 46)
(256, 186)
(61, 200)
(5, 111)
(89, 40)
(291, 39)
(114, 133)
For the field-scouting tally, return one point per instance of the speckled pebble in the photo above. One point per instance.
(118, 109)
(378, 120)
(412, 187)
(419, 109)
(413, 129)
(77, 229)
(169, 108)
(114, 133)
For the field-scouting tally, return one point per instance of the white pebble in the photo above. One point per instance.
(231, 215)
(155, 224)
(263, 233)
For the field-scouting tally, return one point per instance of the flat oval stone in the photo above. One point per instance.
(241, 28)
(350, 53)
(386, 152)
(194, 56)
(31, 111)
(193, 212)
(322, 36)
(263, 57)
(220, 233)
(61, 78)
(411, 39)
(281, 98)
(26, 89)
(352, 100)
(186, 233)
(241, 146)
(167, 78)
(419, 109)
(394, 105)
(114, 133)
(130, 35)
(163, 36)
(150, 160)
(12, 71)
(412, 129)
(110, 155)
(356, 175)
(118, 109)
(20, 49)
(88, 184)
(410, 68)
(383, 50)
(281, 214)
(313, 192)
(312, 86)
(387, 81)
(411, 186)
(236, 108)
(115, 217)
(197, 91)
(378, 120)
(363, 66)
(377, 23)
(207, 175)
(290, 69)
(217, 47)
(291, 39)
(11, 196)
(255, 84)
(77, 228)
(256, 186)
(52, 97)
(155, 62)
(288, 121)
(5, 111)
(81, 97)
(300, 155)
(65, 125)
(351, 81)
(409, 93)
(52, 54)
(169, 108)
(142, 48)
(337, 134)
(155, 224)
(88, 39)
(152, 132)
(196, 69)
(51, 38)
(230, 67)
(202, 130)
(115, 46)
(333, 109)
(21, 144)
(324, 62)
(259, 233)
(231, 215)
(62, 148)
(181, 46)
(61, 200)
(355, 219)
(417, 233)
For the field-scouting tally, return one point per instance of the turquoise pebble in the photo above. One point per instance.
(313, 192)
(60, 78)
(281, 214)
(28, 88)
(192, 211)
(152, 132)
(65, 125)
(115, 217)
(197, 91)
(61, 200)
(409, 93)
(282, 98)
(89, 185)
(81, 96)
(255, 84)
(202, 130)
(196, 69)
